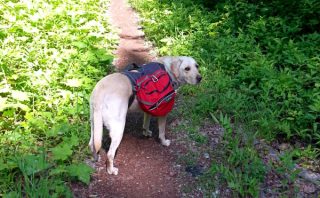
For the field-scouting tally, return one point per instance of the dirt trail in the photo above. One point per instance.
(132, 46)
(146, 168)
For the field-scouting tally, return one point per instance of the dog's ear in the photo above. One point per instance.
(175, 67)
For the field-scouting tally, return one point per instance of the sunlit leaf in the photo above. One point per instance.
(2, 103)
(74, 82)
(19, 95)
(5, 89)
(14, 106)
(80, 45)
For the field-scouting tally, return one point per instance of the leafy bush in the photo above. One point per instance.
(51, 55)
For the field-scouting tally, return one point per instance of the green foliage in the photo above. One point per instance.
(51, 55)
(64, 150)
(261, 66)
(260, 59)
(80, 171)
(32, 164)
(242, 169)
(287, 165)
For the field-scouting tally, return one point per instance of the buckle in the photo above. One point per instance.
(154, 78)
(136, 88)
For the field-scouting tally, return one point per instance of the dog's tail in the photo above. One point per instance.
(96, 130)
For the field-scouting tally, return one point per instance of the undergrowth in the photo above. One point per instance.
(51, 55)
(261, 66)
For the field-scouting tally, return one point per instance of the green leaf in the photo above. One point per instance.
(58, 170)
(8, 113)
(91, 56)
(53, 132)
(74, 140)
(81, 171)
(104, 56)
(58, 129)
(61, 152)
(79, 44)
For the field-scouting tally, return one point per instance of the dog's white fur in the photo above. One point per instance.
(109, 105)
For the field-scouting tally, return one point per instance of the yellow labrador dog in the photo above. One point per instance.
(109, 105)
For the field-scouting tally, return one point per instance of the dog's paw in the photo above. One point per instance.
(113, 171)
(147, 133)
(165, 142)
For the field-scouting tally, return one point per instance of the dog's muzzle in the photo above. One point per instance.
(199, 78)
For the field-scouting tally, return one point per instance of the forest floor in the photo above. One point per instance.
(146, 168)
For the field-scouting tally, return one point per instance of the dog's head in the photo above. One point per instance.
(183, 69)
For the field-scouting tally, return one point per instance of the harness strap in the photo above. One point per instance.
(131, 99)
(166, 98)
(130, 67)
(133, 95)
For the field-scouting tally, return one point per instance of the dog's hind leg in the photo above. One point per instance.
(162, 130)
(116, 133)
(146, 124)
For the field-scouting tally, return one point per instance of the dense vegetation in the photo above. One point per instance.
(51, 54)
(261, 62)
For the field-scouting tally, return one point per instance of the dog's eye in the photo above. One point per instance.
(187, 68)
(197, 66)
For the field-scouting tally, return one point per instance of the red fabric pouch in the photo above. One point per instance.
(155, 93)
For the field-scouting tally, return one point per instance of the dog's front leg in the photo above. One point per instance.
(162, 130)
(146, 125)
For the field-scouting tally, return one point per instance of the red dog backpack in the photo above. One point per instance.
(153, 88)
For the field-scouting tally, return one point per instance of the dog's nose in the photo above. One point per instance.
(199, 78)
